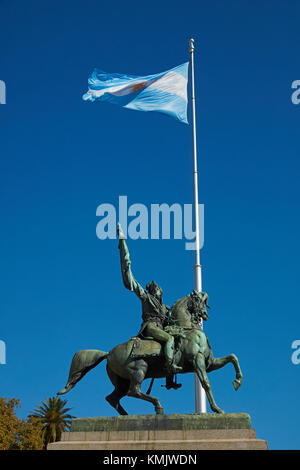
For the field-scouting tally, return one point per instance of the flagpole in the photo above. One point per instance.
(200, 396)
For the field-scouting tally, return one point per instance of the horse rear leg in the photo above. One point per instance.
(138, 371)
(120, 391)
(219, 362)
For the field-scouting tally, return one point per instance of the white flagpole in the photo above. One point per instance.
(200, 396)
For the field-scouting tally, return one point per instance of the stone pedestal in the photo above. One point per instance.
(205, 431)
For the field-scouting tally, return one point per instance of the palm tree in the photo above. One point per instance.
(54, 418)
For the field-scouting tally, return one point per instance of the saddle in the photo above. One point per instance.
(141, 348)
(149, 347)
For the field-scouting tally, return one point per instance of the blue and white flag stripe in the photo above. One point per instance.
(164, 92)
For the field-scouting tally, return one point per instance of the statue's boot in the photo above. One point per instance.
(175, 368)
(172, 368)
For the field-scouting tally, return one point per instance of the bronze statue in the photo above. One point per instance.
(154, 312)
(142, 357)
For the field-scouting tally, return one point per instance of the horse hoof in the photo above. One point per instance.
(216, 409)
(219, 411)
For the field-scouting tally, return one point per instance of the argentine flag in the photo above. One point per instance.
(164, 92)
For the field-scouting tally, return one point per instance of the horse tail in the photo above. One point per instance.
(82, 362)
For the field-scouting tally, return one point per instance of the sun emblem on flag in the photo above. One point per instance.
(138, 86)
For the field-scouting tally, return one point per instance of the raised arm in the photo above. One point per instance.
(128, 278)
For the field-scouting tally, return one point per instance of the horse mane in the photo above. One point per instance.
(179, 302)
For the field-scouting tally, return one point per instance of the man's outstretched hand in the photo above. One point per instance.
(120, 232)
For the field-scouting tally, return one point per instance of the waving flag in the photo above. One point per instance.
(164, 92)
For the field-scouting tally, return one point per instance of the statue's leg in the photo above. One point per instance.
(138, 370)
(120, 391)
(219, 362)
(199, 364)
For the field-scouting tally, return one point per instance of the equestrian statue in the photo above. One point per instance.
(170, 341)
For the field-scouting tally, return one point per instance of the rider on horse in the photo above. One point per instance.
(154, 312)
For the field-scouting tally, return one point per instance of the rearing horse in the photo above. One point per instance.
(130, 363)
(195, 352)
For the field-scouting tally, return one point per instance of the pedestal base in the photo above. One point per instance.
(162, 432)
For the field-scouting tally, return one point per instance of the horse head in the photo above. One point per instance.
(197, 305)
(189, 310)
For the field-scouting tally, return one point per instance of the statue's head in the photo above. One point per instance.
(154, 290)
(197, 305)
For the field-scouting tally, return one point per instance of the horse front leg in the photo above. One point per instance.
(199, 364)
(219, 362)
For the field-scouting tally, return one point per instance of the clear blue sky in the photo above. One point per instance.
(61, 287)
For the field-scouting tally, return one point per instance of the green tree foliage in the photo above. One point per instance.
(54, 419)
(15, 433)
(31, 435)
